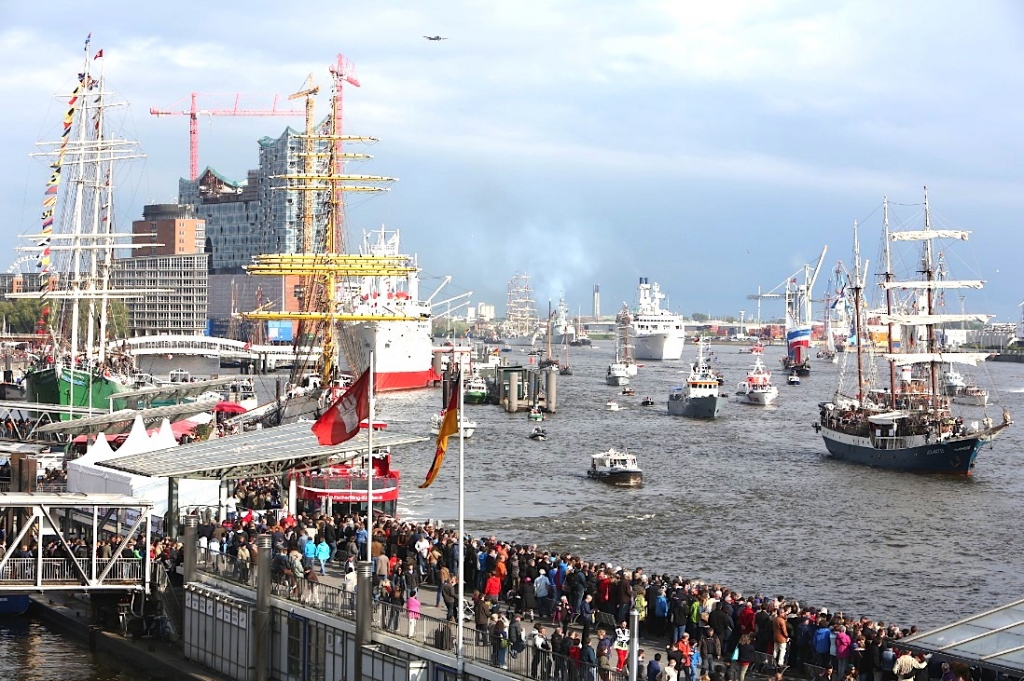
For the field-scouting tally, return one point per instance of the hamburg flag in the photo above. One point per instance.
(341, 421)
(449, 426)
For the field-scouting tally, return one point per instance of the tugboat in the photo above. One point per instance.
(615, 468)
(701, 398)
(539, 434)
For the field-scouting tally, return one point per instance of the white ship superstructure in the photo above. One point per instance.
(402, 349)
(563, 331)
(657, 333)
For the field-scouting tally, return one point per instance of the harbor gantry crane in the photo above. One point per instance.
(194, 112)
(797, 295)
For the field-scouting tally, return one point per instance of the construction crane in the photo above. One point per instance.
(309, 90)
(194, 112)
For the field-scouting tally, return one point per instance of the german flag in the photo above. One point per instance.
(449, 427)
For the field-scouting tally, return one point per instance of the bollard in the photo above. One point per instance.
(513, 392)
(551, 401)
(634, 643)
(264, 551)
(364, 610)
(191, 547)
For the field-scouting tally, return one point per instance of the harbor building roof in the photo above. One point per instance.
(270, 451)
(992, 639)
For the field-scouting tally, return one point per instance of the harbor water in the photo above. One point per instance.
(748, 499)
(31, 651)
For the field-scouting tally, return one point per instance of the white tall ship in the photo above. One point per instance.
(657, 333)
(402, 350)
(521, 327)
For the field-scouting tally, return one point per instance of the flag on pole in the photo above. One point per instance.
(449, 427)
(341, 421)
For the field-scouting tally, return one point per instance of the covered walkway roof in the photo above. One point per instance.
(121, 421)
(270, 451)
(993, 639)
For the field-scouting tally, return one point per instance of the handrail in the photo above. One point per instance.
(479, 645)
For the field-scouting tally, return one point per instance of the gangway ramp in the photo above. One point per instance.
(65, 568)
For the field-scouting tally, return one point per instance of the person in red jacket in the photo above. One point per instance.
(492, 587)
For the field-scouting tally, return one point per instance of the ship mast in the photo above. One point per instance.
(929, 273)
(857, 292)
(890, 345)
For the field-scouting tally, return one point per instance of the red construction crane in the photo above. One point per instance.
(193, 122)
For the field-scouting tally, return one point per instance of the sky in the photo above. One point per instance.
(713, 148)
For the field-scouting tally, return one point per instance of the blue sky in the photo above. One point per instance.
(711, 147)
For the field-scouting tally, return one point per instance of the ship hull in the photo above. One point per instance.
(403, 353)
(12, 605)
(563, 338)
(659, 346)
(697, 407)
(951, 457)
(759, 398)
(520, 341)
(619, 478)
(54, 386)
(617, 380)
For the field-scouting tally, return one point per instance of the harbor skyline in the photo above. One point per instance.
(771, 127)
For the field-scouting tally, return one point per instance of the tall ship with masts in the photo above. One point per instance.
(892, 413)
(521, 327)
(350, 303)
(74, 250)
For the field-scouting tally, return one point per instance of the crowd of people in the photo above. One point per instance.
(579, 609)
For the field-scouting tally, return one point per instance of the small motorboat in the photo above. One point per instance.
(629, 392)
(539, 434)
(647, 402)
(615, 468)
(535, 414)
(611, 405)
(468, 427)
(565, 370)
(793, 379)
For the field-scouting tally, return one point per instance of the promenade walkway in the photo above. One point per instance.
(432, 629)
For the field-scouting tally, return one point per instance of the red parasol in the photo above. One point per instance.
(226, 407)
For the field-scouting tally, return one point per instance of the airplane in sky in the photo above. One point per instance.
(434, 37)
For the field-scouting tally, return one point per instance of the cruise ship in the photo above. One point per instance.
(657, 333)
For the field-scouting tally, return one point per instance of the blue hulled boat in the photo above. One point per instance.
(907, 423)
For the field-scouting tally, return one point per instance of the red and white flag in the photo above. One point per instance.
(341, 421)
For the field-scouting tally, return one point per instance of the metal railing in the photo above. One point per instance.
(479, 645)
(61, 570)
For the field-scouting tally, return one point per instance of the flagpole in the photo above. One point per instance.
(369, 458)
(462, 530)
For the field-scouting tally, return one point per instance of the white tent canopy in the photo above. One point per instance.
(85, 476)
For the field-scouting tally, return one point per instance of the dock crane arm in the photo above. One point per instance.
(447, 280)
(817, 270)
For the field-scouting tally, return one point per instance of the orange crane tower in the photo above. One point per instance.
(194, 113)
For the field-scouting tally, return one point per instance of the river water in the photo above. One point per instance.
(748, 499)
(30, 651)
